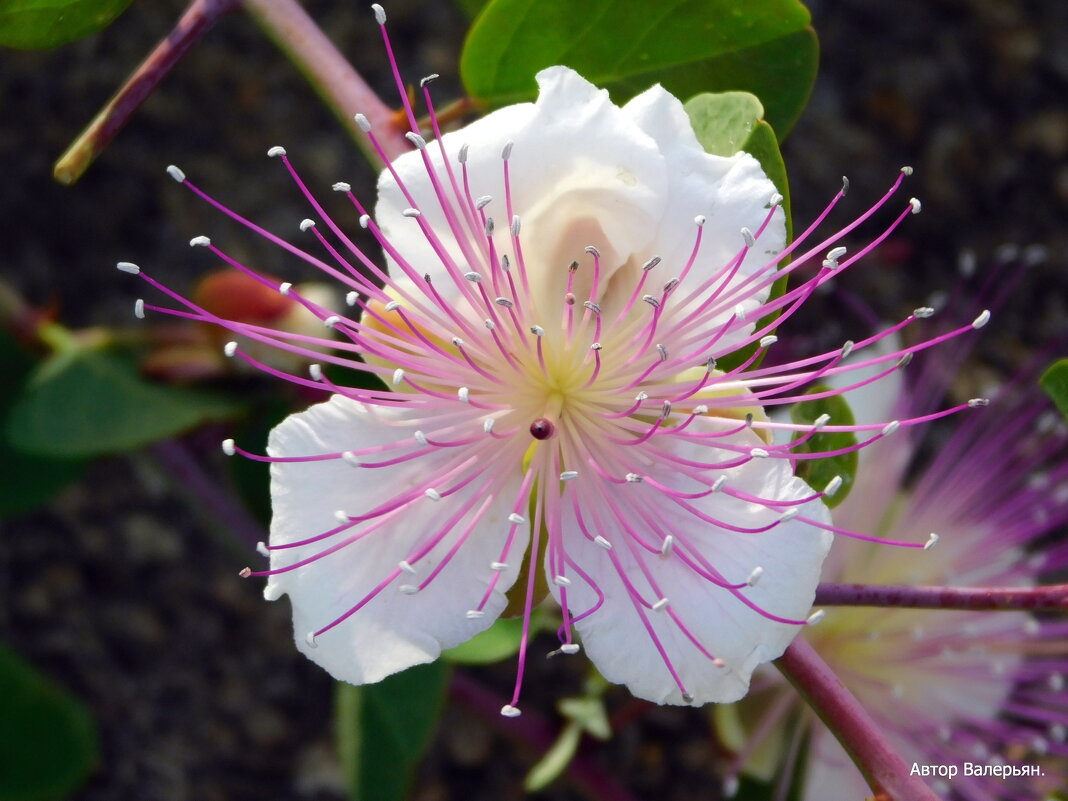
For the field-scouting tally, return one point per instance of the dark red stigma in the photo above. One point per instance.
(542, 428)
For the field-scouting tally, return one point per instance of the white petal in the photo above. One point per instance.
(791, 554)
(394, 630)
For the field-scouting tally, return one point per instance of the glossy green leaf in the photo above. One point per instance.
(384, 729)
(86, 402)
(1055, 382)
(29, 481)
(36, 24)
(49, 737)
(499, 641)
(765, 47)
(819, 472)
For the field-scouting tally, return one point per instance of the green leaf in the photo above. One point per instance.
(1055, 382)
(818, 472)
(499, 641)
(555, 760)
(765, 47)
(87, 402)
(29, 481)
(35, 24)
(49, 737)
(383, 730)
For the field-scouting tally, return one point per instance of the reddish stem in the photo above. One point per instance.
(340, 86)
(885, 772)
(196, 20)
(534, 731)
(980, 598)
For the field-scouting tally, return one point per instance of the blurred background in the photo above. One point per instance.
(124, 588)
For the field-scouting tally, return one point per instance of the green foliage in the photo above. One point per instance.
(499, 641)
(39, 24)
(84, 402)
(817, 472)
(29, 481)
(383, 729)
(765, 47)
(49, 737)
(584, 715)
(472, 7)
(1055, 382)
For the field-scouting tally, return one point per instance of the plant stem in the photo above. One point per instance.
(329, 73)
(534, 731)
(979, 598)
(197, 19)
(855, 729)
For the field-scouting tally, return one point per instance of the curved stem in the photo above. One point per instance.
(1054, 596)
(196, 20)
(884, 770)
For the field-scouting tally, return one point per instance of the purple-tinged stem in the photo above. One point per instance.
(213, 500)
(197, 19)
(332, 76)
(1054, 596)
(886, 773)
(533, 730)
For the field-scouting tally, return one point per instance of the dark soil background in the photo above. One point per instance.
(126, 593)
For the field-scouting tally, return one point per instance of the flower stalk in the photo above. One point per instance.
(1052, 597)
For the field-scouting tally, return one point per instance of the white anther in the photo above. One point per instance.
(510, 711)
(670, 285)
(498, 567)
(634, 478)
(569, 648)
(923, 312)
(593, 251)
(906, 170)
(847, 348)
(473, 277)
(768, 341)
(487, 427)
(415, 139)
(309, 638)
(393, 305)
(747, 237)
(490, 227)
(332, 320)
(537, 330)
(759, 453)
(199, 242)
(915, 205)
(228, 447)
(175, 173)
(412, 213)
(655, 260)
(687, 697)
(363, 122)
(603, 542)
(305, 224)
(229, 349)
(408, 589)
(350, 458)
(506, 151)
(426, 80)
(662, 350)
(775, 199)
(665, 410)
(905, 360)
(845, 186)
(569, 475)
(596, 346)
(406, 566)
(717, 485)
(490, 325)
(981, 320)
(739, 312)
(457, 342)
(128, 267)
(516, 518)
(506, 265)
(365, 220)
(834, 254)
(829, 265)
(284, 287)
(398, 376)
(699, 220)
(667, 546)
(262, 549)
(816, 617)
(561, 581)
(432, 493)
(342, 186)
(139, 309)
(516, 226)
(420, 438)
(593, 307)
(641, 397)
(891, 427)
(474, 614)
(975, 402)
(316, 372)
(462, 155)
(699, 410)
(932, 541)
(661, 605)
(245, 572)
(463, 394)
(789, 515)
(276, 151)
(341, 516)
(821, 421)
(652, 301)
(483, 201)
(754, 577)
